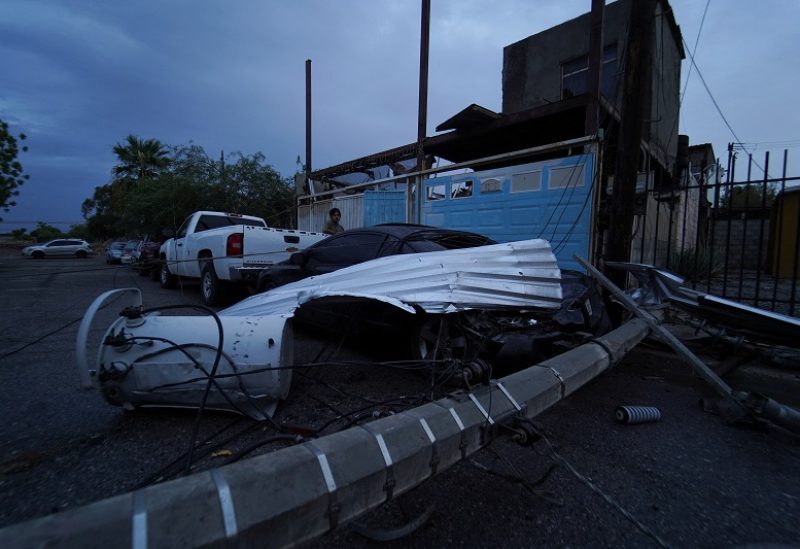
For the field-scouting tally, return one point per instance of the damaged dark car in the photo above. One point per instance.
(359, 245)
(507, 336)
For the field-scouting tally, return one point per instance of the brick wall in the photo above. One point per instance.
(749, 236)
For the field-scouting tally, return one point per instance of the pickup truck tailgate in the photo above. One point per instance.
(265, 245)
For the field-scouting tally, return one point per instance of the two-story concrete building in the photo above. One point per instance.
(545, 102)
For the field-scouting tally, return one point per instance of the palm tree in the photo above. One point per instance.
(140, 158)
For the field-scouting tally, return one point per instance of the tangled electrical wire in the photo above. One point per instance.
(319, 405)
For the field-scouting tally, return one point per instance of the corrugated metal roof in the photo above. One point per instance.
(467, 118)
(520, 275)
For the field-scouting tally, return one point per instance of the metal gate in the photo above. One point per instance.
(384, 207)
(735, 235)
(550, 199)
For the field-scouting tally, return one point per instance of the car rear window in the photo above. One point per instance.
(207, 222)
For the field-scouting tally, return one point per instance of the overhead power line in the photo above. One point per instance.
(711, 95)
(719, 110)
(694, 51)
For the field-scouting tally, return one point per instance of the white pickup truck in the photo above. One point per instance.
(225, 248)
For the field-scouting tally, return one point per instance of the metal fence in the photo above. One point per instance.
(733, 231)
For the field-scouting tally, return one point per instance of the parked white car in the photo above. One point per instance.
(59, 248)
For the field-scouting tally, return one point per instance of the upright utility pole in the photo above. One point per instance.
(422, 117)
(308, 122)
(595, 66)
(636, 87)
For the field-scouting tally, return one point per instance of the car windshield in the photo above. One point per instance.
(117, 245)
(428, 240)
(131, 245)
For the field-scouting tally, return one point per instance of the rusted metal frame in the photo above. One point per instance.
(361, 164)
(567, 144)
(761, 230)
(776, 258)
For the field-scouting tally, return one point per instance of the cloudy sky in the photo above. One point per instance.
(80, 75)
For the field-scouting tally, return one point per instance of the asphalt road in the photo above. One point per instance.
(689, 480)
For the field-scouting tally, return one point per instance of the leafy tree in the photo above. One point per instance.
(44, 232)
(189, 181)
(79, 231)
(165, 201)
(98, 211)
(11, 176)
(250, 186)
(193, 162)
(139, 158)
(749, 196)
(20, 234)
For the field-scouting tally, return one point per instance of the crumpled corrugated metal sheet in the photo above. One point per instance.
(520, 275)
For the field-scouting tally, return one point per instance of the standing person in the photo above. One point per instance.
(332, 225)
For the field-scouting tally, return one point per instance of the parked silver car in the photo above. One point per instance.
(114, 251)
(130, 252)
(59, 248)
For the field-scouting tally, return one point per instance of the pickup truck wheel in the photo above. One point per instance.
(168, 280)
(211, 287)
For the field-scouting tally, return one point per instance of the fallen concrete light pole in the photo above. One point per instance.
(146, 359)
(299, 493)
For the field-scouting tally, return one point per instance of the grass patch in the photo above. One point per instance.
(695, 264)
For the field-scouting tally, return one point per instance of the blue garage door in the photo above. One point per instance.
(550, 199)
(384, 207)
